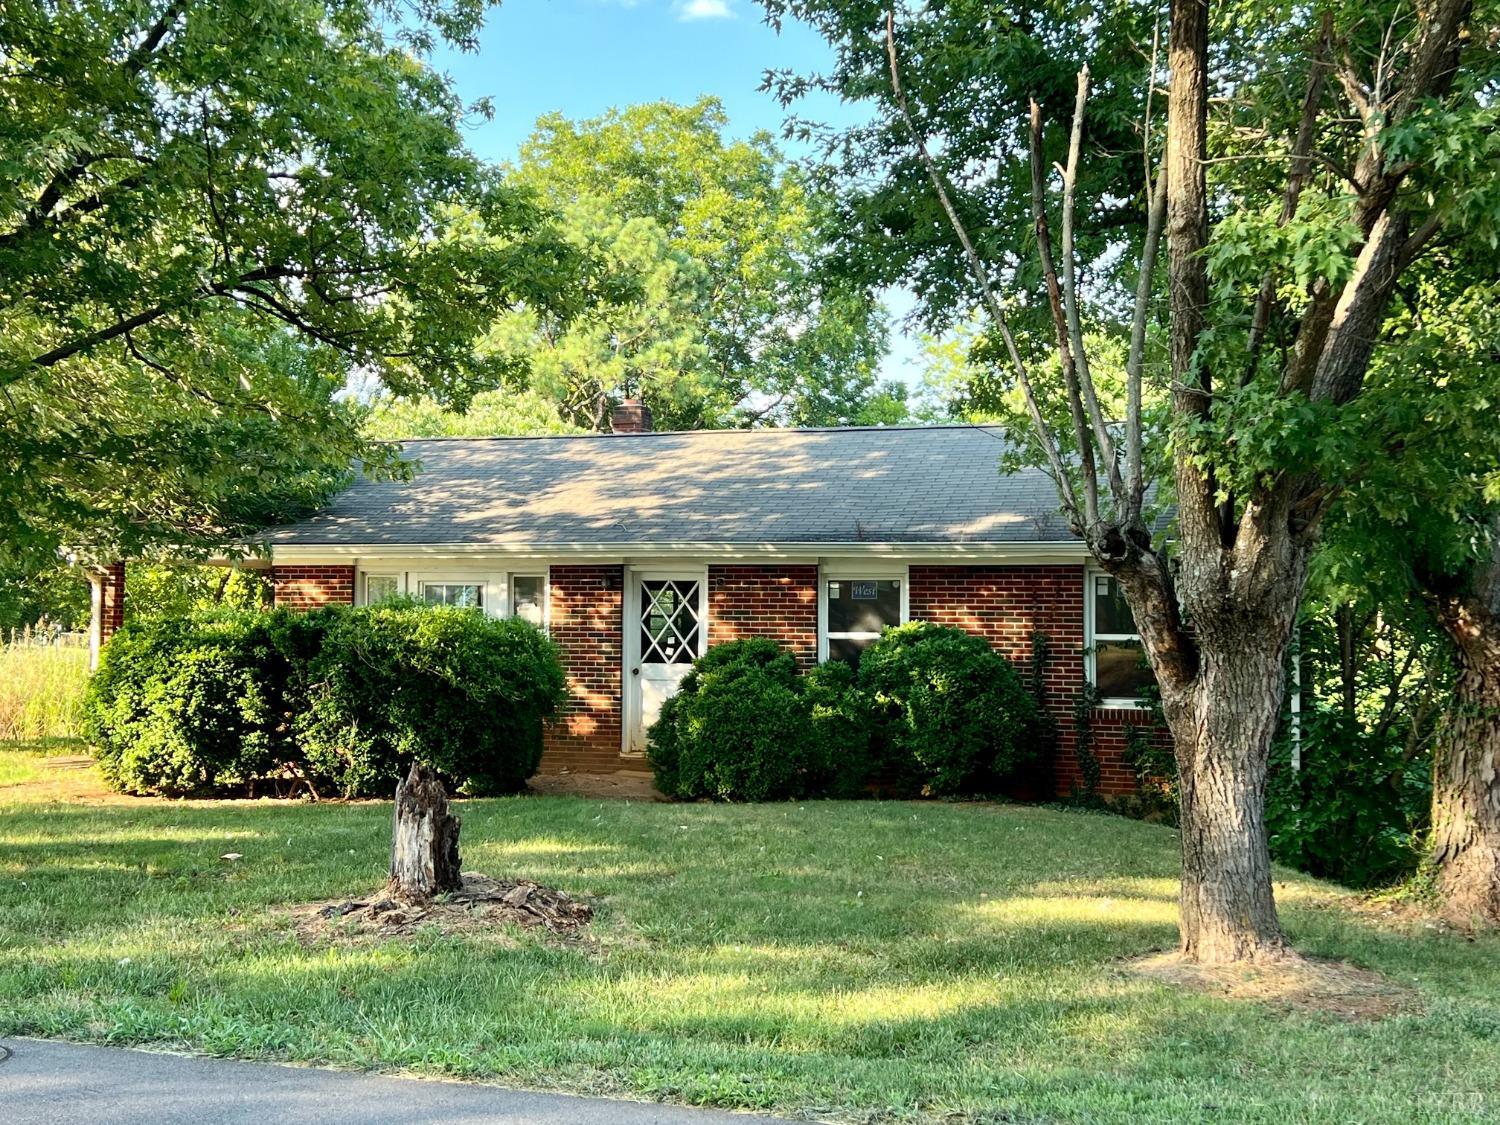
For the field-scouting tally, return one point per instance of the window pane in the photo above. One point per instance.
(848, 649)
(526, 598)
(1120, 669)
(863, 606)
(669, 622)
(467, 595)
(1111, 613)
(379, 588)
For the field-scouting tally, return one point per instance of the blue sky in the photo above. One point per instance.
(580, 57)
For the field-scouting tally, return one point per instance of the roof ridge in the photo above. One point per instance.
(983, 427)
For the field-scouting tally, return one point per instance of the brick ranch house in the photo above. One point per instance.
(637, 550)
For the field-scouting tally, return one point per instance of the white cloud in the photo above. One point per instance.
(705, 10)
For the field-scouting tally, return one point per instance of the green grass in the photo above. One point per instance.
(40, 688)
(872, 961)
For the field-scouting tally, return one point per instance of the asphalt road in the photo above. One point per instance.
(47, 1083)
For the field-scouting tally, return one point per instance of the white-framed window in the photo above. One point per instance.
(1116, 659)
(381, 588)
(467, 593)
(854, 607)
(528, 598)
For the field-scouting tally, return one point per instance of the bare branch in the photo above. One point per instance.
(981, 278)
(1135, 359)
(1070, 289)
(1065, 359)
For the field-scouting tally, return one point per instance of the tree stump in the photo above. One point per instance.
(424, 838)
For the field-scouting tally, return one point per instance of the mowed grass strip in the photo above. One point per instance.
(848, 961)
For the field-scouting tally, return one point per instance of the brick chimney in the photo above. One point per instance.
(631, 417)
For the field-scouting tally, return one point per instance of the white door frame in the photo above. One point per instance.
(630, 629)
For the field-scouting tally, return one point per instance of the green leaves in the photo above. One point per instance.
(211, 215)
(712, 300)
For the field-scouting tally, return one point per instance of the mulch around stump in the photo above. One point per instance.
(484, 904)
(1302, 985)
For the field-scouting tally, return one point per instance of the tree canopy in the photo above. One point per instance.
(211, 215)
(716, 248)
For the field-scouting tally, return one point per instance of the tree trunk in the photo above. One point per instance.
(1466, 760)
(424, 838)
(1222, 731)
(1222, 702)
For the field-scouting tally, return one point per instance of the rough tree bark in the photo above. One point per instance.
(424, 838)
(1466, 757)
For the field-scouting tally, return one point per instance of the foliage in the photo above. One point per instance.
(186, 706)
(42, 680)
(1355, 809)
(489, 413)
(952, 715)
(211, 214)
(1089, 769)
(839, 730)
(745, 726)
(172, 589)
(462, 691)
(48, 596)
(1041, 774)
(712, 248)
(343, 699)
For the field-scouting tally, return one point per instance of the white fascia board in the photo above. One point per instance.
(1066, 552)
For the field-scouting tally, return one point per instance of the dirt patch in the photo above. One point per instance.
(1305, 986)
(627, 785)
(484, 905)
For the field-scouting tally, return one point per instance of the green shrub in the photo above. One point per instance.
(189, 706)
(839, 720)
(464, 692)
(952, 716)
(344, 698)
(745, 726)
(1355, 810)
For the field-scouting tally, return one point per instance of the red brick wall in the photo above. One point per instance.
(1005, 604)
(311, 587)
(111, 600)
(586, 606)
(780, 602)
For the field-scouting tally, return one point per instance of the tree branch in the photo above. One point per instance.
(1135, 359)
(982, 280)
(1070, 289)
(1088, 471)
(1301, 164)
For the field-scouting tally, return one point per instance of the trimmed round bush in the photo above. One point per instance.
(342, 699)
(190, 706)
(744, 726)
(464, 692)
(952, 715)
(839, 722)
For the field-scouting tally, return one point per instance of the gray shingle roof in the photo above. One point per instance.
(934, 484)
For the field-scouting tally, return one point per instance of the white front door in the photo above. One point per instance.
(667, 631)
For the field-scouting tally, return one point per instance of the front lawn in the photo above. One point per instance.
(850, 961)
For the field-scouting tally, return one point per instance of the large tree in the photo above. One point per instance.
(1297, 160)
(1422, 527)
(211, 214)
(715, 247)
